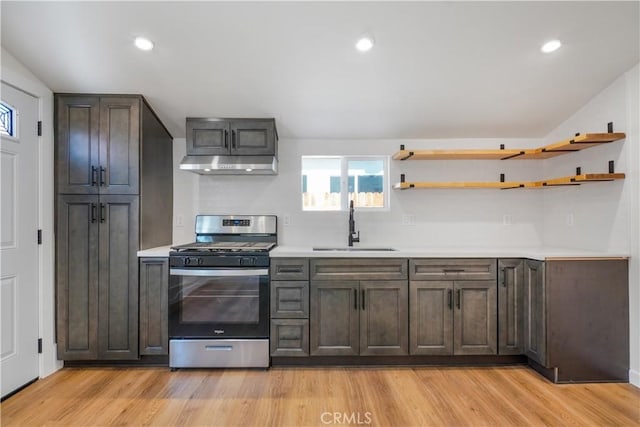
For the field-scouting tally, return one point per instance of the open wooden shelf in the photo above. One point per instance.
(577, 143)
(567, 180)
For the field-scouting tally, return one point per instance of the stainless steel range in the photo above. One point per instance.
(219, 293)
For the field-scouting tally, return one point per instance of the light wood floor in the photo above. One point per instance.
(429, 396)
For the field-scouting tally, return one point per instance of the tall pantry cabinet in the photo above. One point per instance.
(114, 196)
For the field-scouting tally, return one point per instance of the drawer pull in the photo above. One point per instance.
(289, 338)
(290, 300)
(218, 347)
(290, 270)
(453, 270)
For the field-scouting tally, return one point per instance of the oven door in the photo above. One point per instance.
(218, 303)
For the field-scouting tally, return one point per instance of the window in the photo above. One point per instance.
(329, 183)
(7, 120)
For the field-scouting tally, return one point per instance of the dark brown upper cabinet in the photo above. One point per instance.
(236, 137)
(98, 144)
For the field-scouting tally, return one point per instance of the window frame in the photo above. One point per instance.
(344, 182)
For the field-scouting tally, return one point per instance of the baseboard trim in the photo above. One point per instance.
(634, 378)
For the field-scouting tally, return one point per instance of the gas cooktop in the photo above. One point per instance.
(225, 247)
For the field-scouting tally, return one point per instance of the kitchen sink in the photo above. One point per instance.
(350, 249)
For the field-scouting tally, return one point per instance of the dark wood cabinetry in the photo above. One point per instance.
(353, 314)
(114, 196)
(289, 307)
(154, 307)
(238, 137)
(511, 306)
(577, 318)
(535, 334)
(450, 313)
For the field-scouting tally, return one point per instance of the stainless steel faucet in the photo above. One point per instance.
(353, 237)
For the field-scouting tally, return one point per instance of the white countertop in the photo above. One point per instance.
(539, 253)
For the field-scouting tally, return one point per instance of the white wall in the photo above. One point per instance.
(469, 218)
(14, 73)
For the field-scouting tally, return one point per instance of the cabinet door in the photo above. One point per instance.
(77, 144)
(208, 137)
(535, 333)
(77, 277)
(253, 137)
(118, 278)
(119, 145)
(510, 306)
(431, 317)
(475, 317)
(154, 291)
(384, 324)
(289, 337)
(334, 318)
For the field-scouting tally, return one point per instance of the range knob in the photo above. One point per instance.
(248, 261)
(186, 260)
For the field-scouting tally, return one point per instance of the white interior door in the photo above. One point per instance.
(18, 239)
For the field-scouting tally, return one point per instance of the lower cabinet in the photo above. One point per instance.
(154, 291)
(97, 277)
(289, 307)
(535, 328)
(511, 306)
(350, 318)
(453, 317)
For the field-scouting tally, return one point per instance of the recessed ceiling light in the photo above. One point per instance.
(143, 43)
(551, 46)
(364, 44)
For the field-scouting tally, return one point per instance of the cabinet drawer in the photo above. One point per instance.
(289, 269)
(453, 269)
(289, 299)
(289, 337)
(358, 268)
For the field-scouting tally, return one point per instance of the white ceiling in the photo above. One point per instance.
(439, 69)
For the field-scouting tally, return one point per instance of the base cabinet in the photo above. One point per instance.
(97, 267)
(453, 317)
(366, 318)
(511, 306)
(535, 325)
(154, 306)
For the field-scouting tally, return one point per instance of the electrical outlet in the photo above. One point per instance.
(286, 220)
(408, 219)
(179, 221)
(570, 219)
(507, 219)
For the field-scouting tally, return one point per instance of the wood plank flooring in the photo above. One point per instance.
(424, 396)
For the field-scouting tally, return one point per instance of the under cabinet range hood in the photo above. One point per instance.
(230, 165)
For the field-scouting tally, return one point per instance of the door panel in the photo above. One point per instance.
(19, 250)
(118, 283)
(334, 318)
(510, 306)
(431, 317)
(474, 319)
(207, 137)
(535, 333)
(252, 137)
(77, 277)
(119, 145)
(154, 306)
(77, 144)
(384, 323)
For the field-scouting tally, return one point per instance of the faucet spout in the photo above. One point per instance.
(353, 236)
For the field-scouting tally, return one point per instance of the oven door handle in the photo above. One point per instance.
(219, 272)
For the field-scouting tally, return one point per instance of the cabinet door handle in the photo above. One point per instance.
(450, 298)
(458, 297)
(362, 300)
(233, 139)
(503, 278)
(355, 299)
(93, 212)
(226, 138)
(94, 176)
(102, 212)
(103, 176)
